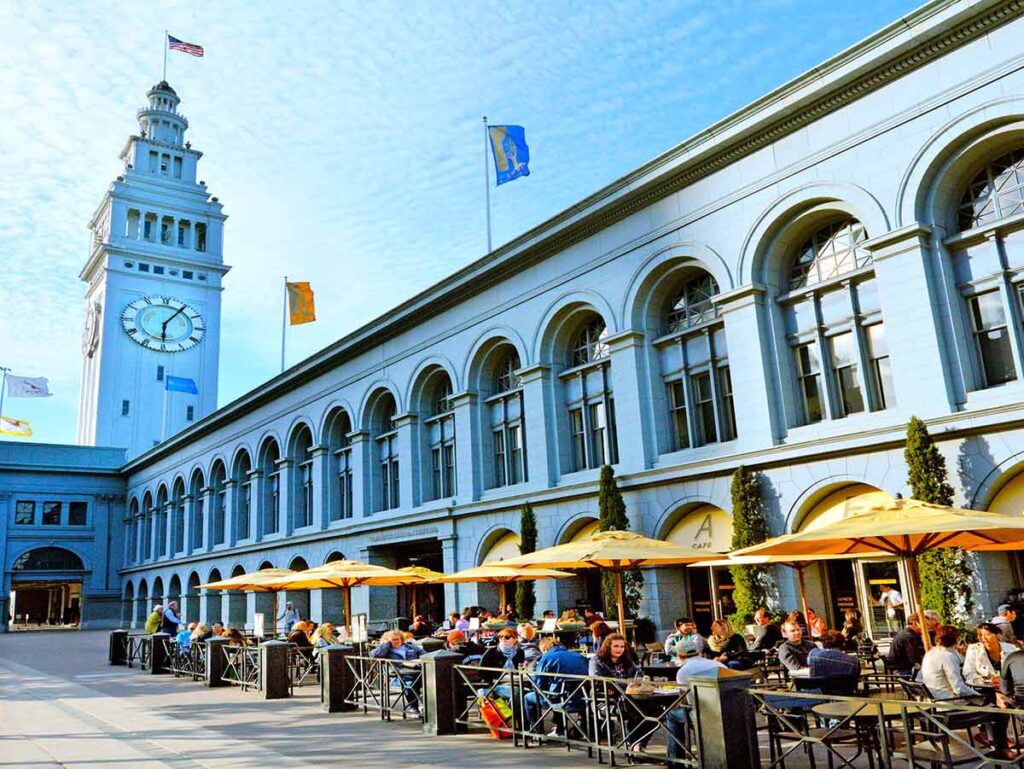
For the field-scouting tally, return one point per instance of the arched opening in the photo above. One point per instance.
(218, 496)
(332, 603)
(270, 487)
(381, 413)
(498, 546)
(142, 605)
(128, 605)
(196, 490)
(46, 589)
(214, 601)
(146, 527)
(174, 595)
(158, 595)
(436, 461)
(503, 438)
(704, 527)
(190, 602)
(338, 427)
(298, 598)
(162, 512)
(237, 609)
(585, 588)
(334, 555)
(178, 516)
(301, 493)
(241, 476)
(132, 535)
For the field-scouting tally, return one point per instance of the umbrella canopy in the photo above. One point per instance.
(263, 580)
(499, 574)
(905, 528)
(346, 575)
(615, 551)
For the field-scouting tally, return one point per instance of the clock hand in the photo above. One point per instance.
(163, 327)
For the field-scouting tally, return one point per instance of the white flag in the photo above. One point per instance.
(28, 387)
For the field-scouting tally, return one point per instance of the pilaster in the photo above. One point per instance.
(230, 512)
(636, 449)
(541, 446)
(189, 513)
(256, 503)
(286, 493)
(468, 473)
(321, 469)
(362, 504)
(409, 458)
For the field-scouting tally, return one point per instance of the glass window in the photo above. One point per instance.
(677, 405)
(704, 403)
(590, 344)
(728, 412)
(881, 371)
(77, 513)
(200, 236)
(245, 510)
(498, 438)
(992, 338)
(579, 439)
(844, 363)
(515, 446)
(164, 162)
(177, 167)
(832, 251)
(598, 434)
(190, 413)
(344, 507)
(693, 304)
(154, 160)
(507, 379)
(997, 192)
(24, 513)
(442, 398)
(808, 366)
(159, 373)
(51, 513)
(125, 408)
(158, 270)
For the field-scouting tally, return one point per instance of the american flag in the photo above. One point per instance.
(180, 45)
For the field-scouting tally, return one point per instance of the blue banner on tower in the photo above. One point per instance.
(511, 155)
(181, 384)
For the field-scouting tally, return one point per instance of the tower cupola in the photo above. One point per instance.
(160, 120)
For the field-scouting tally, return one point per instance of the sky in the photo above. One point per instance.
(346, 144)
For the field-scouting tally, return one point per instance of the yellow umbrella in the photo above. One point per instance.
(347, 575)
(497, 573)
(262, 581)
(615, 551)
(905, 528)
(798, 564)
(419, 575)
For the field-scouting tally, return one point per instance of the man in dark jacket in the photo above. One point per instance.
(793, 653)
(769, 634)
(907, 649)
(457, 642)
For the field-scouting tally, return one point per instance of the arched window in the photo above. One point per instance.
(241, 476)
(197, 490)
(162, 511)
(505, 409)
(694, 361)
(302, 477)
(834, 327)
(131, 539)
(830, 252)
(588, 391)
(218, 487)
(339, 425)
(385, 441)
(146, 528)
(270, 487)
(48, 559)
(178, 513)
(439, 433)
(995, 195)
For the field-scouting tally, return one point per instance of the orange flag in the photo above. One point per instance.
(300, 304)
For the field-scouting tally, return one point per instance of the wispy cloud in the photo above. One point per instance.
(345, 140)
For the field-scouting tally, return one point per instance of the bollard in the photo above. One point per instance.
(336, 679)
(274, 673)
(118, 647)
(158, 653)
(728, 733)
(440, 692)
(216, 661)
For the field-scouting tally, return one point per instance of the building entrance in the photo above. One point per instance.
(428, 599)
(39, 605)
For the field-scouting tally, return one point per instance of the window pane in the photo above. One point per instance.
(705, 409)
(24, 513)
(579, 451)
(51, 513)
(76, 513)
(728, 412)
(878, 350)
(992, 338)
(677, 408)
(499, 458)
(988, 311)
(598, 428)
(516, 452)
(808, 365)
(843, 351)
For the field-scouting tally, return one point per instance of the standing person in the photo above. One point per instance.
(154, 619)
(984, 659)
(288, 617)
(728, 647)
(1004, 619)
(793, 652)
(171, 620)
(892, 600)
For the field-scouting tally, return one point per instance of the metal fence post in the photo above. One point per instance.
(275, 678)
(118, 647)
(727, 734)
(336, 679)
(216, 661)
(158, 653)
(439, 692)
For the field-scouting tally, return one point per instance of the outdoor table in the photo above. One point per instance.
(661, 672)
(654, 707)
(865, 719)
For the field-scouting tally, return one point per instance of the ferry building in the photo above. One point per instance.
(782, 290)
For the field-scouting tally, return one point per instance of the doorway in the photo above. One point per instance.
(41, 605)
(881, 617)
(428, 599)
(842, 591)
(700, 599)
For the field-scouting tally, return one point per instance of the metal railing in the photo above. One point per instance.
(242, 666)
(140, 649)
(604, 716)
(390, 687)
(188, 661)
(303, 666)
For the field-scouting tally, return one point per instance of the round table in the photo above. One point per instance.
(841, 709)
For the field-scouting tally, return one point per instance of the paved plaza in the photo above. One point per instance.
(63, 705)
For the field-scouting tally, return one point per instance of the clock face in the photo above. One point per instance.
(163, 323)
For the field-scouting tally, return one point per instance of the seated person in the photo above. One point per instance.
(323, 636)
(831, 661)
(686, 630)
(457, 642)
(528, 642)
(453, 620)
(420, 628)
(693, 664)
(570, 615)
(590, 616)
(462, 623)
(184, 636)
(300, 637)
(940, 668)
(794, 650)
(598, 632)
(235, 637)
(393, 646)
(906, 649)
(853, 630)
(201, 634)
(218, 628)
(728, 647)
(615, 659)
(768, 635)
(506, 653)
(555, 659)
(815, 624)
(548, 614)
(984, 659)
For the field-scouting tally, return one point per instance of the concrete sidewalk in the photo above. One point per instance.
(63, 705)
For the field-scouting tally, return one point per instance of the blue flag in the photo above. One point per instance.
(511, 155)
(181, 384)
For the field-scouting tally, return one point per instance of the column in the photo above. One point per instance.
(362, 489)
(409, 459)
(206, 494)
(285, 496)
(540, 441)
(189, 513)
(230, 503)
(169, 529)
(636, 447)
(467, 445)
(748, 336)
(911, 311)
(450, 565)
(154, 531)
(321, 469)
(256, 505)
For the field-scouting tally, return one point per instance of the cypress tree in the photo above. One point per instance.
(526, 599)
(753, 587)
(612, 515)
(945, 572)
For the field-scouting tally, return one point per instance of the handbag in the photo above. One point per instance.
(496, 714)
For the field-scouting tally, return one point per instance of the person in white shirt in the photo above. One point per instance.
(694, 664)
(892, 600)
(940, 669)
(984, 659)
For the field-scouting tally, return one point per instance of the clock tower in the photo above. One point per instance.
(153, 282)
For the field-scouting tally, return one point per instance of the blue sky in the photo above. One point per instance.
(345, 140)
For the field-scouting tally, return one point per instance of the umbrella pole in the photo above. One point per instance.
(803, 588)
(910, 565)
(273, 619)
(347, 593)
(621, 601)
(501, 593)
(414, 590)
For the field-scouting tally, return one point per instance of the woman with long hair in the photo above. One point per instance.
(614, 658)
(727, 646)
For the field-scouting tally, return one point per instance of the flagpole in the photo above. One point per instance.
(487, 184)
(163, 422)
(165, 57)
(3, 388)
(284, 319)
